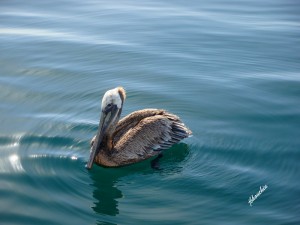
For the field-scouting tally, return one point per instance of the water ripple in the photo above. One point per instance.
(59, 36)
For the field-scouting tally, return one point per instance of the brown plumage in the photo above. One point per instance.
(138, 136)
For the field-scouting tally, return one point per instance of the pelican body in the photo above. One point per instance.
(138, 136)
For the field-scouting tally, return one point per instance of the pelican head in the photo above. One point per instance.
(111, 108)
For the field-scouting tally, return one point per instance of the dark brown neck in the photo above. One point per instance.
(110, 135)
(111, 131)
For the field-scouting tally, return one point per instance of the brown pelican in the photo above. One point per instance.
(138, 136)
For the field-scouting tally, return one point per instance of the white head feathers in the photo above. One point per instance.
(113, 96)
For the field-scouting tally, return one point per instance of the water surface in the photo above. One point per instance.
(229, 69)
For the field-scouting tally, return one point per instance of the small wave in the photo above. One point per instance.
(30, 139)
(59, 36)
(19, 149)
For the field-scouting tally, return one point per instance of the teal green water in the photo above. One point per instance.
(229, 69)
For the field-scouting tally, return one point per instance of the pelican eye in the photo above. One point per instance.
(108, 108)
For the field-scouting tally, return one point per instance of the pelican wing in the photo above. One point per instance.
(149, 136)
(131, 120)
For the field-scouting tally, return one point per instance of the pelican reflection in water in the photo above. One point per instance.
(138, 136)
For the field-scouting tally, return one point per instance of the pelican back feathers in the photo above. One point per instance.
(143, 134)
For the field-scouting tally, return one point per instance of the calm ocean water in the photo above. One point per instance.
(229, 69)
